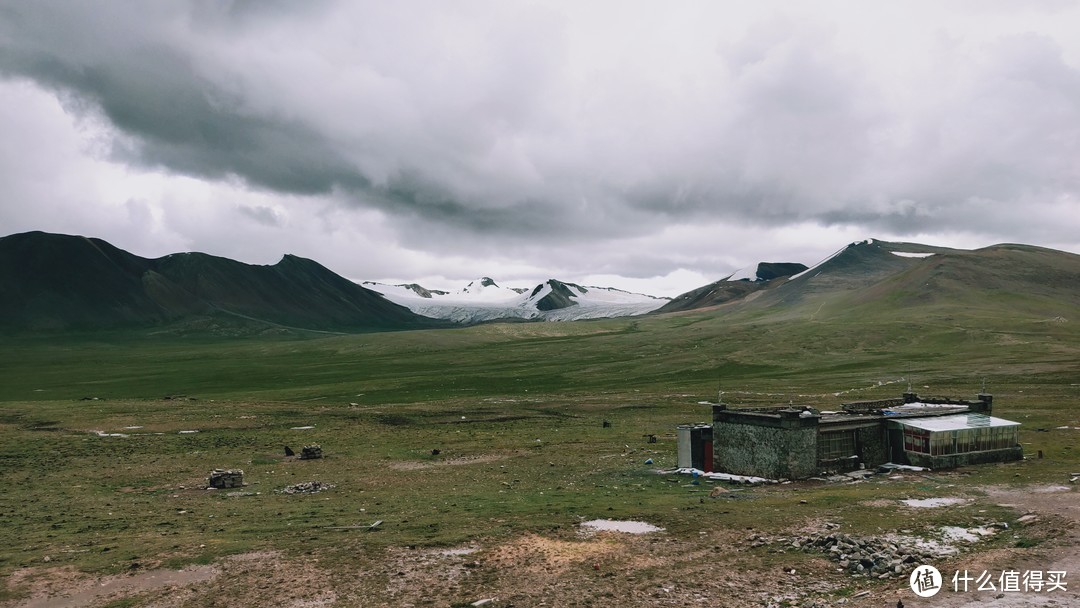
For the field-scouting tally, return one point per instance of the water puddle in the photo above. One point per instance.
(1051, 489)
(459, 551)
(968, 535)
(929, 503)
(612, 525)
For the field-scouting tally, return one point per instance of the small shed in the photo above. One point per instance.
(954, 440)
(695, 447)
(225, 478)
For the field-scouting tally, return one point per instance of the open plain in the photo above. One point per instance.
(106, 441)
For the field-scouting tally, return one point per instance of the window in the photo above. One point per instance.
(942, 443)
(916, 440)
(836, 445)
(960, 441)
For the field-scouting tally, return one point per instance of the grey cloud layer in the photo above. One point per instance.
(497, 120)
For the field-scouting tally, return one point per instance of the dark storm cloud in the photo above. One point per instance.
(498, 120)
(178, 119)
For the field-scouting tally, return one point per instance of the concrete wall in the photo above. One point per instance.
(776, 446)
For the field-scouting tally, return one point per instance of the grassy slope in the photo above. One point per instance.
(483, 396)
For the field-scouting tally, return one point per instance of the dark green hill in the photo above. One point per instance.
(1019, 278)
(713, 294)
(56, 282)
(724, 291)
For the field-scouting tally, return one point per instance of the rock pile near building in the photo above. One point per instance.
(225, 478)
(861, 556)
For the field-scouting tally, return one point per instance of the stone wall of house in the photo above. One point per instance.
(776, 446)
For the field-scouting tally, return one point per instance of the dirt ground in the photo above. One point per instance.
(570, 568)
(1057, 509)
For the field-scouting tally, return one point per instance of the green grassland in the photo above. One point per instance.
(515, 410)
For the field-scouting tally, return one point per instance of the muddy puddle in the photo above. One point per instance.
(613, 525)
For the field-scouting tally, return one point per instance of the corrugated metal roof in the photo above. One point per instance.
(954, 422)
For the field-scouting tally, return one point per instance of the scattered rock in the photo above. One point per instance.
(311, 452)
(307, 487)
(860, 556)
(225, 478)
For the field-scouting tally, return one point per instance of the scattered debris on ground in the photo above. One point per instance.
(307, 487)
(748, 479)
(883, 557)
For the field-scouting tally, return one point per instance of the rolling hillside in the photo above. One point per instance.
(874, 277)
(735, 287)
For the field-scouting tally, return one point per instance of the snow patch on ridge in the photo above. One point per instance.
(744, 274)
(484, 300)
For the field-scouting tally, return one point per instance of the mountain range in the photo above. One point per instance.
(485, 300)
(61, 282)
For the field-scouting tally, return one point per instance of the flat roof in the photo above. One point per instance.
(919, 407)
(954, 422)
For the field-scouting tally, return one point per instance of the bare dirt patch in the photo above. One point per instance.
(262, 579)
(65, 588)
(419, 465)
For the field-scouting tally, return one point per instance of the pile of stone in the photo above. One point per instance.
(307, 487)
(311, 452)
(861, 556)
(225, 478)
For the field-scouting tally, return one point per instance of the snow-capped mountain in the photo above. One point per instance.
(485, 300)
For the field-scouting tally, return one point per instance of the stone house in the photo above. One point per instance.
(791, 442)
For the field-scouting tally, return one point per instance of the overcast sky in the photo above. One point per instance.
(649, 146)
